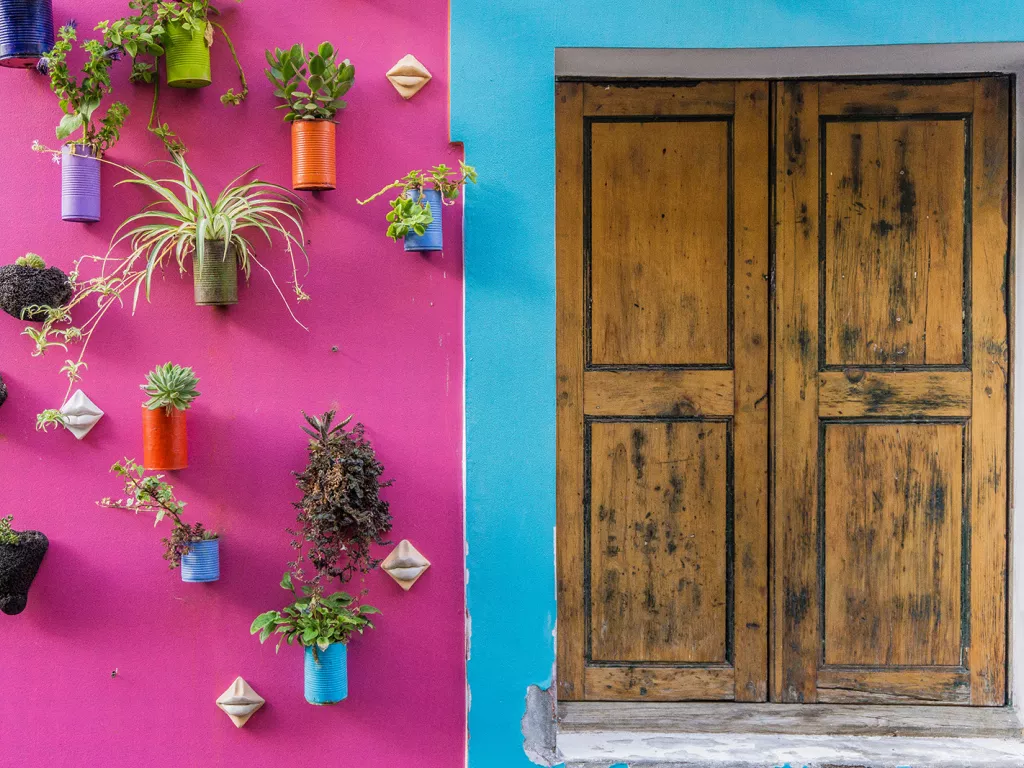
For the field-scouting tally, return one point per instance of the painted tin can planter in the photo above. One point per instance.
(164, 439)
(314, 159)
(432, 239)
(202, 564)
(216, 284)
(26, 31)
(79, 184)
(327, 675)
(187, 57)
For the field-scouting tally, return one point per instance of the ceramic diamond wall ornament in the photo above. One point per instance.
(82, 414)
(405, 564)
(408, 76)
(240, 702)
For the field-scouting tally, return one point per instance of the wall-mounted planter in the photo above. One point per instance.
(327, 674)
(80, 184)
(314, 163)
(432, 239)
(202, 563)
(216, 284)
(19, 564)
(164, 439)
(187, 57)
(26, 31)
(22, 287)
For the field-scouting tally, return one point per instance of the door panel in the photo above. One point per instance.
(657, 544)
(894, 216)
(893, 498)
(660, 272)
(891, 361)
(662, 382)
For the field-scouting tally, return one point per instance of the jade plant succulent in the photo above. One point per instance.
(170, 386)
(311, 84)
(410, 214)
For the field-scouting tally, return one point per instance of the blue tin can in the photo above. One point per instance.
(202, 564)
(26, 32)
(432, 239)
(327, 674)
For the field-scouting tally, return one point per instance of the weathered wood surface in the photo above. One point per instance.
(658, 536)
(795, 604)
(569, 402)
(894, 242)
(688, 392)
(910, 394)
(989, 477)
(893, 525)
(750, 422)
(660, 243)
(845, 97)
(674, 539)
(715, 97)
(893, 686)
(821, 720)
(881, 589)
(660, 683)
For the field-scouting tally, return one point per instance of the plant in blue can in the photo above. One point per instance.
(415, 214)
(191, 546)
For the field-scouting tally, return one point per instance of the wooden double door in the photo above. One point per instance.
(782, 391)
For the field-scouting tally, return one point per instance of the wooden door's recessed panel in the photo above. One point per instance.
(660, 242)
(658, 541)
(893, 528)
(895, 214)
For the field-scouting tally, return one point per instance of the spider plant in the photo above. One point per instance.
(181, 223)
(184, 220)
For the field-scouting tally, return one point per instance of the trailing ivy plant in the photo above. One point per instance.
(80, 100)
(341, 514)
(149, 494)
(314, 620)
(311, 85)
(413, 216)
(142, 36)
(170, 387)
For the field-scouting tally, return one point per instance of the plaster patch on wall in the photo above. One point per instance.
(539, 726)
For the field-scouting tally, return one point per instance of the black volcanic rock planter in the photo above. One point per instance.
(19, 564)
(22, 287)
(3, 391)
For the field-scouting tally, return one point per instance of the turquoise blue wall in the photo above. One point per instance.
(502, 90)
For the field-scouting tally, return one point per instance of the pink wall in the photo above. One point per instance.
(104, 598)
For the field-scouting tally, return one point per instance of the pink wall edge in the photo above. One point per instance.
(104, 599)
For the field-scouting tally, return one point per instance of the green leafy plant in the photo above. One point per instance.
(33, 260)
(149, 494)
(314, 620)
(311, 85)
(341, 513)
(51, 417)
(413, 216)
(172, 229)
(7, 535)
(143, 36)
(80, 100)
(170, 386)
